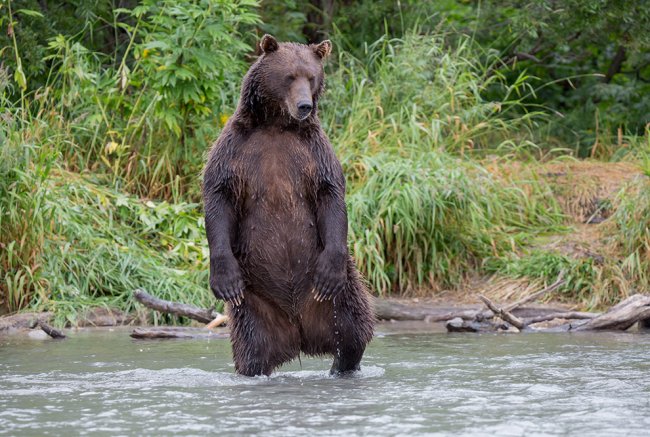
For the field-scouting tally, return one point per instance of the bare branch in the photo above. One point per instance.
(569, 315)
(505, 315)
(179, 309)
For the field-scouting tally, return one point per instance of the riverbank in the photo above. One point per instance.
(417, 313)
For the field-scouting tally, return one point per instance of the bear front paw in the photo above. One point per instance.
(331, 275)
(226, 280)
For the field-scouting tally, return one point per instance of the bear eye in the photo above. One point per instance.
(312, 80)
(291, 78)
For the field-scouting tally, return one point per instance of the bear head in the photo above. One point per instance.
(286, 80)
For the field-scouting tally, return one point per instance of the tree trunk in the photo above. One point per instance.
(616, 65)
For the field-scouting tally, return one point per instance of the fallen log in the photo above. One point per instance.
(179, 309)
(52, 332)
(22, 321)
(175, 332)
(567, 315)
(388, 309)
(621, 316)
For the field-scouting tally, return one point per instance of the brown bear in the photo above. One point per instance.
(276, 222)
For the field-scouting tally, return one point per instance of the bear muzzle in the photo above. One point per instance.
(299, 100)
(304, 109)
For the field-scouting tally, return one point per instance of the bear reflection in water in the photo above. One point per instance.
(276, 222)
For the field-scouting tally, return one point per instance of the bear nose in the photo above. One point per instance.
(304, 107)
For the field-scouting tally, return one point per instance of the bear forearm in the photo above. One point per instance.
(219, 225)
(333, 224)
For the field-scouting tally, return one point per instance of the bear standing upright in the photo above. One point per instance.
(276, 222)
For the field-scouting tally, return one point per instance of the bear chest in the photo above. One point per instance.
(281, 171)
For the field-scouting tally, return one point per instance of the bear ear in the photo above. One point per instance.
(268, 44)
(323, 49)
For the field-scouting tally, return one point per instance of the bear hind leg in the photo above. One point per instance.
(353, 325)
(262, 337)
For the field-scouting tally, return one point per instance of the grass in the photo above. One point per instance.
(631, 226)
(416, 94)
(105, 244)
(87, 216)
(431, 222)
(580, 275)
(74, 242)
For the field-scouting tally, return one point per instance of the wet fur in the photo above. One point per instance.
(274, 201)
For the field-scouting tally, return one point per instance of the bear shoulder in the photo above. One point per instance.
(330, 170)
(220, 173)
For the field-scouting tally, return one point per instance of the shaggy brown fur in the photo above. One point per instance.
(276, 222)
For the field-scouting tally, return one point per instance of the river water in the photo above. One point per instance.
(412, 382)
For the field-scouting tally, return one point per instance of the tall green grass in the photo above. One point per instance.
(98, 192)
(24, 217)
(425, 92)
(105, 244)
(71, 241)
(632, 231)
(432, 222)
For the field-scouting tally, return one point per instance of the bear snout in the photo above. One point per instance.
(304, 108)
(299, 100)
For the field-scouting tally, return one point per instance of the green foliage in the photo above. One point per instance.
(422, 93)
(33, 26)
(591, 59)
(581, 276)
(24, 215)
(189, 51)
(632, 222)
(284, 20)
(68, 243)
(144, 111)
(105, 244)
(594, 56)
(431, 221)
(107, 113)
(420, 217)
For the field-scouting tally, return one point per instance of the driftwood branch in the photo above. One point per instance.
(620, 317)
(218, 321)
(52, 332)
(568, 315)
(175, 332)
(388, 309)
(179, 309)
(503, 314)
